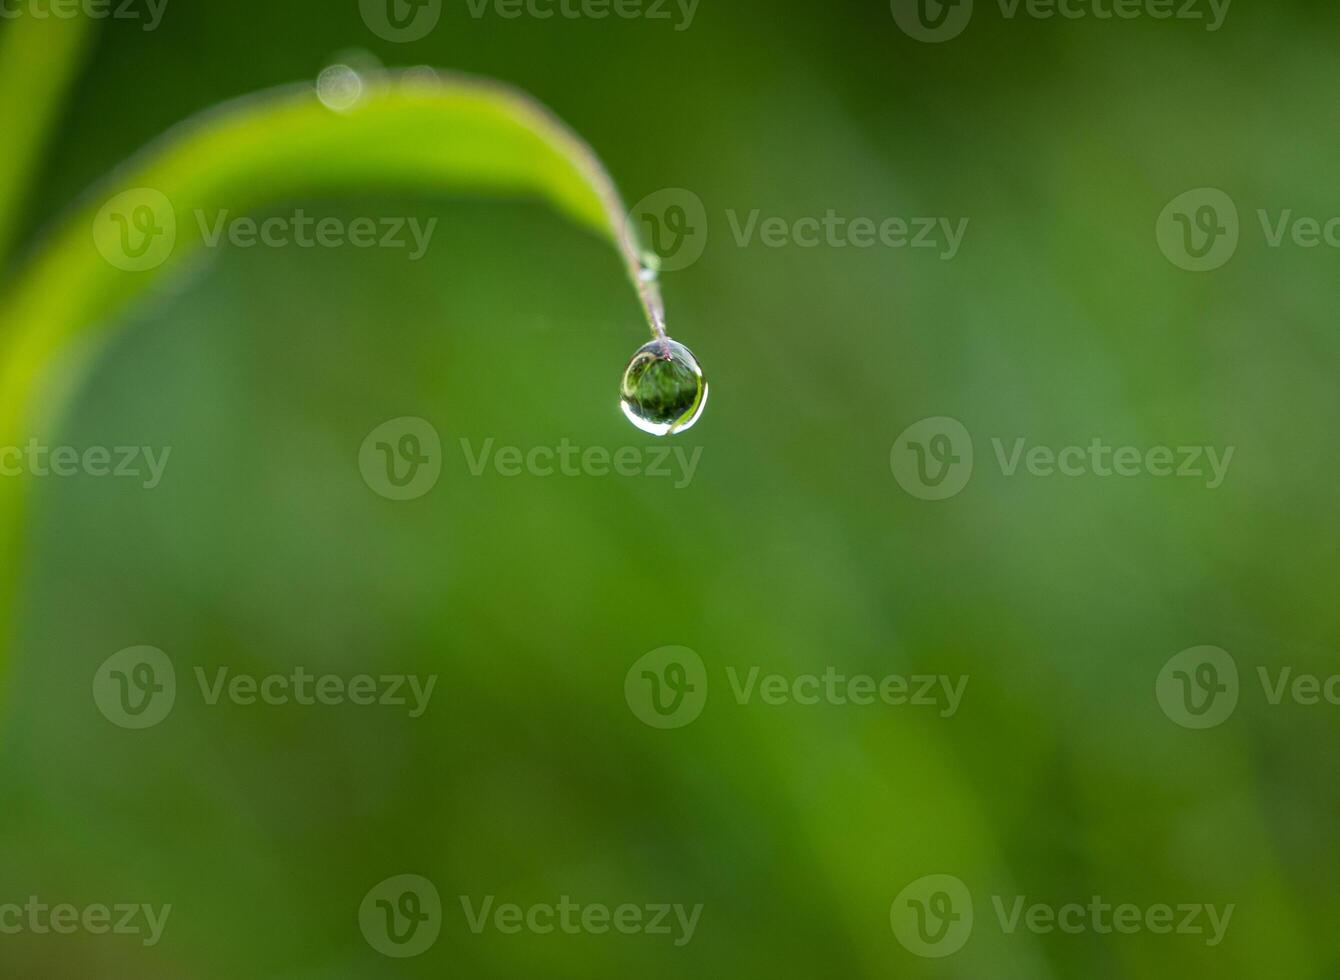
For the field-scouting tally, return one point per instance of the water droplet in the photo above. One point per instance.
(663, 389)
(339, 87)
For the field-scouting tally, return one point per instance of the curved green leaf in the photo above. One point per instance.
(415, 129)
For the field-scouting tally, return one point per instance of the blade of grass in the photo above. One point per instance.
(39, 58)
(416, 130)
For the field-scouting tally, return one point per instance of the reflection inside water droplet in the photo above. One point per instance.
(663, 389)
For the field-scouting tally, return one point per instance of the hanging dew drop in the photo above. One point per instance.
(663, 389)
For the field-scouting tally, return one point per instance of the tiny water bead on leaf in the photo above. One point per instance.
(663, 389)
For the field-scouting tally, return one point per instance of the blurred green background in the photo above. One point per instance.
(793, 549)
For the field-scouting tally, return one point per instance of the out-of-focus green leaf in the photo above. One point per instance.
(39, 57)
